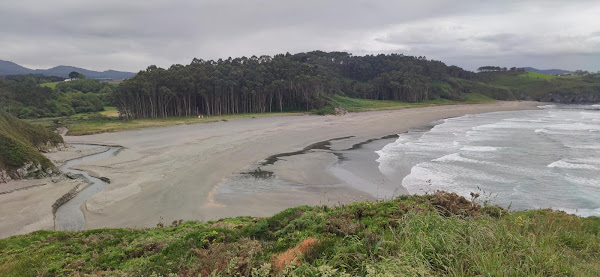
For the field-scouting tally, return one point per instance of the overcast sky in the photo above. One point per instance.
(130, 35)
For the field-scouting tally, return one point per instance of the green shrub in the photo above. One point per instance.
(434, 235)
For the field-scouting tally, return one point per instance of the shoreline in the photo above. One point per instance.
(180, 172)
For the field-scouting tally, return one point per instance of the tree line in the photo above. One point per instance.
(283, 82)
(23, 96)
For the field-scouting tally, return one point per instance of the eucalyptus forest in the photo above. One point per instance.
(284, 82)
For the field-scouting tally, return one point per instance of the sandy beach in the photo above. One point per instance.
(242, 167)
(26, 205)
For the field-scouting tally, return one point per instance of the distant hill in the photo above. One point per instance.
(547, 71)
(10, 68)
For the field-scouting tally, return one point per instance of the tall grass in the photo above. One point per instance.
(539, 85)
(434, 235)
(361, 105)
(19, 144)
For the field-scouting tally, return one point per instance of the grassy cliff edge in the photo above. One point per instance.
(431, 235)
(20, 145)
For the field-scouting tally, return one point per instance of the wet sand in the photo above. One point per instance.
(170, 173)
(199, 171)
(26, 205)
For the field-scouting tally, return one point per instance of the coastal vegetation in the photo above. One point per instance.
(547, 88)
(20, 145)
(361, 105)
(315, 82)
(108, 121)
(299, 82)
(441, 234)
(36, 96)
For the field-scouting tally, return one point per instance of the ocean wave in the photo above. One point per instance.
(524, 120)
(580, 212)
(590, 115)
(574, 127)
(429, 177)
(547, 106)
(456, 157)
(505, 125)
(589, 160)
(571, 165)
(582, 181)
(480, 148)
(590, 147)
(568, 129)
(475, 152)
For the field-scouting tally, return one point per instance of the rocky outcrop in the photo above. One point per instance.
(340, 111)
(50, 148)
(4, 176)
(28, 170)
(580, 98)
(69, 195)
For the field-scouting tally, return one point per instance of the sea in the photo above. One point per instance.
(522, 160)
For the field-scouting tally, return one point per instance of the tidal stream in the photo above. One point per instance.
(69, 216)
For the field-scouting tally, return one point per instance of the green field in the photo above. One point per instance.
(539, 85)
(108, 121)
(51, 85)
(362, 105)
(433, 235)
(539, 76)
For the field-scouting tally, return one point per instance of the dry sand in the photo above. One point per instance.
(189, 171)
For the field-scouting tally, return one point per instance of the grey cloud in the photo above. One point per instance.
(130, 35)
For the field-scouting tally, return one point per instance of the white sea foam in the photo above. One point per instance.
(430, 177)
(524, 120)
(582, 181)
(588, 160)
(569, 165)
(574, 127)
(590, 115)
(547, 106)
(499, 152)
(590, 147)
(504, 125)
(480, 148)
(456, 157)
(579, 212)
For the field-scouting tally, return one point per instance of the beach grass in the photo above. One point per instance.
(433, 235)
(362, 105)
(108, 121)
(110, 112)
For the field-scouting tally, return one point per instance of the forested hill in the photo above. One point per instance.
(285, 82)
